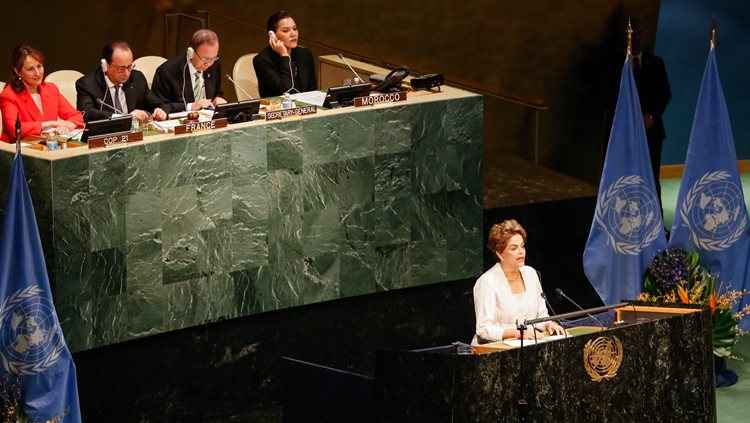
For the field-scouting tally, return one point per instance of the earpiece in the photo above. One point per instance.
(190, 53)
(104, 65)
(272, 35)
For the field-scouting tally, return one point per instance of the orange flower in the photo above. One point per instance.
(712, 303)
(683, 294)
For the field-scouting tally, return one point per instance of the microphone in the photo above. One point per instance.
(236, 85)
(115, 109)
(357, 79)
(562, 294)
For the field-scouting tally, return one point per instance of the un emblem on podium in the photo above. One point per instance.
(713, 212)
(30, 339)
(602, 357)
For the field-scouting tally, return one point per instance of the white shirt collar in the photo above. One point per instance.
(110, 84)
(192, 69)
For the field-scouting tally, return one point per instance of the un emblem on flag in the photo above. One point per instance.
(30, 340)
(630, 215)
(713, 211)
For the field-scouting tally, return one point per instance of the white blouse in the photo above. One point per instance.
(498, 309)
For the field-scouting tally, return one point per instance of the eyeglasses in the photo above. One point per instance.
(207, 60)
(119, 68)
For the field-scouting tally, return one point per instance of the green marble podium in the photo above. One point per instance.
(177, 231)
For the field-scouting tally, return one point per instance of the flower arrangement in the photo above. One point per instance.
(676, 276)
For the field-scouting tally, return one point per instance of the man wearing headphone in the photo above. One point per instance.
(192, 81)
(116, 88)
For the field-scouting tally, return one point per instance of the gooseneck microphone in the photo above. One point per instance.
(115, 109)
(357, 79)
(562, 294)
(236, 85)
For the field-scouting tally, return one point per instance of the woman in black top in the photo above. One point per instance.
(283, 58)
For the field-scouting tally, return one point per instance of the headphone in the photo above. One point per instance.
(190, 53)
(104, 65)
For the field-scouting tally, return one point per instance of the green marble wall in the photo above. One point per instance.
(158, 237)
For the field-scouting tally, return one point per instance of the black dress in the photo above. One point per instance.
(274, 76)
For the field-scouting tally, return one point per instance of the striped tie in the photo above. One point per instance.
(199, 88)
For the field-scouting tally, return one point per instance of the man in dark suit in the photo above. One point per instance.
(655, 93)
(121, 87)
(192, 81)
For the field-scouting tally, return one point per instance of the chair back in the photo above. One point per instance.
(244, 76)
(66, 83)
(147, 65)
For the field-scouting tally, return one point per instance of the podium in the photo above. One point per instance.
(655, 364)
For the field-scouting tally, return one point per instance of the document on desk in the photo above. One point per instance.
(315, 98)
(539, 340)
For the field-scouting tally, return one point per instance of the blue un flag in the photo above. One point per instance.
(32, 347)
(711, 216)
(627, 231)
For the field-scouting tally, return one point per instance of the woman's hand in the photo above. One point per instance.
(278, 46)
(554, 329)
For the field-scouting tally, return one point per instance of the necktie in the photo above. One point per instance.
(199, 89)
(116, 100)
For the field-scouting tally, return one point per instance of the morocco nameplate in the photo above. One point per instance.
(372, 100)
(109, 140)
(200, 126)
(297, 111)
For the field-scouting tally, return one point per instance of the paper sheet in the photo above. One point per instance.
(517, 342)
(316, 98)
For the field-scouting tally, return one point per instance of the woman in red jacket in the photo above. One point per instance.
(38, 104)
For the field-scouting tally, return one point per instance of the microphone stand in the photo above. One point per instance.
(522, 404)
(357, 79)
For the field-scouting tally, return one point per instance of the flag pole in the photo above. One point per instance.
(630, 39)
(714, 30)
(18, 135)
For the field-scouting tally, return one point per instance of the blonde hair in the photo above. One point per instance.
(501, 232)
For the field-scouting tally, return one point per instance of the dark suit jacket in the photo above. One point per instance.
(173, 84)
(92, 86)
(274, 78)
(654, 92)
(20, 105)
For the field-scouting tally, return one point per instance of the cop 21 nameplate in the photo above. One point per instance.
(109, 140)
(208, 125)
(297, 111)
(372, 100)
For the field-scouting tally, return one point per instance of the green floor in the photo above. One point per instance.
(732, 403)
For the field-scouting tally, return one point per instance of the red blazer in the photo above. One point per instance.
(21, 104)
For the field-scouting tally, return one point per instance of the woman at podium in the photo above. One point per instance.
(509, 291)
(284, 66)
(37, 104)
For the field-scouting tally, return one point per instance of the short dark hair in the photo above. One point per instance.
(109, 50)
(17, 57)
(273, 20)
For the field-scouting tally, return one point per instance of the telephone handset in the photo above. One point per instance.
(392, 81)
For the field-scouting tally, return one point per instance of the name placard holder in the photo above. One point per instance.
(297, 111)
(372, 100)
(109, 140)
(191, 127)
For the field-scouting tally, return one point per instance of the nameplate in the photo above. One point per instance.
(109, 140)
(191, 127)
(297, 111)
(372, 100)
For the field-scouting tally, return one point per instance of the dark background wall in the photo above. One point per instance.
(562, 55)
(683, 43)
